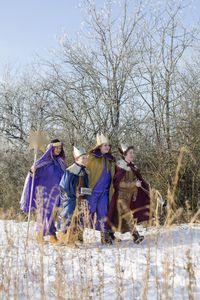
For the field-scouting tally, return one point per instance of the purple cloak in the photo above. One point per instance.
(46, 191)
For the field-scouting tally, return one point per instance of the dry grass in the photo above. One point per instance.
(123, 271)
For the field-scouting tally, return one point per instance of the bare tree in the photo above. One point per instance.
(90, 81)
(164, 44)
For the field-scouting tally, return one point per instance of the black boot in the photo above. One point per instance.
(137, 238)
(113, 237)
(106, 238)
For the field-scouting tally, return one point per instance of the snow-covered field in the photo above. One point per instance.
(165, 266)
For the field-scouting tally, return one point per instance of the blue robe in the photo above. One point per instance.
(99, 200)
(68, 187)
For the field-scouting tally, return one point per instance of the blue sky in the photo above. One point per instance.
(33, 26)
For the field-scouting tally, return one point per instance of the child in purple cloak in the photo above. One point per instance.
(46, 193)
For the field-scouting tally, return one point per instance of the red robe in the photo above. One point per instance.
(142, 201)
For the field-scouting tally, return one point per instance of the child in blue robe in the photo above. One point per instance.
(73, 201)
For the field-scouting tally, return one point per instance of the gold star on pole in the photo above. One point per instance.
(38, 140)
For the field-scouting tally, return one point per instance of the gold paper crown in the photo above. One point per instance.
(57, 144)
(101, 139)
(78, 151)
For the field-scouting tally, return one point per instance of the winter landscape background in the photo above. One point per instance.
(129, 69)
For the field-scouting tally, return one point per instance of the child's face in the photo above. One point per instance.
(57, 151)
(82, 160)
(130, 155)
(105, 148)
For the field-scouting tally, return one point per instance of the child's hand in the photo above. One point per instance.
(78, 194)
(138, 183)
(33, 169)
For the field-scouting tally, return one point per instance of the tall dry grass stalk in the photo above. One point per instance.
(191, 275)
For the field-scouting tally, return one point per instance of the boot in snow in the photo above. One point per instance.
(106, 238)
(137, 238)
(113, 237)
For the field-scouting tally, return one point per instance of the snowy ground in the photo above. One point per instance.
(165, 266)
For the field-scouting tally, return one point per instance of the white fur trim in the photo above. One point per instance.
(75, 169)
(123, 165)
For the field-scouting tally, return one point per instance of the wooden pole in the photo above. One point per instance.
(31, 194)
